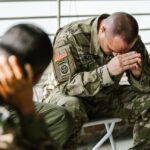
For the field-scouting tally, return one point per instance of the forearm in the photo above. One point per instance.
(142, 84)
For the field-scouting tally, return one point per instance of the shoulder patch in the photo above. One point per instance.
(59, 54)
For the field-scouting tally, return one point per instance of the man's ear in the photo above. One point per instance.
(102, 29)
(37, 77)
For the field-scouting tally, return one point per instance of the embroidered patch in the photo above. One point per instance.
(64, 68)
(85, 59)
(59, 54)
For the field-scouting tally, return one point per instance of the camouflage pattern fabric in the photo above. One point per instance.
(36, 133)
(86, 89)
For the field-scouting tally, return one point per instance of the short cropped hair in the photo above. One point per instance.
(30, 44)
(124, 25)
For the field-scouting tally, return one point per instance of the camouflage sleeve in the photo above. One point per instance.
(74, 82)
(143, 83)
(34, 134)
(89, 83)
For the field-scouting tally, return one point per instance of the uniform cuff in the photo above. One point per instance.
(135, 82)
(105, 76)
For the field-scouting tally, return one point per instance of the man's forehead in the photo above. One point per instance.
(118, 45)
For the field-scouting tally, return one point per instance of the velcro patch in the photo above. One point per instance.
(64, 68)
(59, 54)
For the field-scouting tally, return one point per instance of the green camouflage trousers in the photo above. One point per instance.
(58, 121)
(121, 101)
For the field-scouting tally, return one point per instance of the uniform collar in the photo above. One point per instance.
(94, 45)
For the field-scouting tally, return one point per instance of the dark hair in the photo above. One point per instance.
(124, 25)
(30, 44)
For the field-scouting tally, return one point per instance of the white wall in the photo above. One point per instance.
(43, 13)
(48, 9)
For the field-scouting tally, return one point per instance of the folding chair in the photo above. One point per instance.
(109, 125)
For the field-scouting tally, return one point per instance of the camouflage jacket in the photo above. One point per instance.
(79, 64)
(30, 134)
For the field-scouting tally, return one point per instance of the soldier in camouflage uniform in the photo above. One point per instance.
(90, 57)
(24, 126)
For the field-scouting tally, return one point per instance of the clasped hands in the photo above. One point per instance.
(122, 62)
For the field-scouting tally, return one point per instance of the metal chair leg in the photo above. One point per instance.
(106, 136)
(111, 137)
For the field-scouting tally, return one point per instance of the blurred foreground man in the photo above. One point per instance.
(25, 52)
(90, 57)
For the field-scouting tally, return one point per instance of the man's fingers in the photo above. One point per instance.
(131, 61)
(3, 92)
(6, 77)
(29, 72)
(130, 66)
(140, 62)
(129, 56)
(17, 71)
(6, 70)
